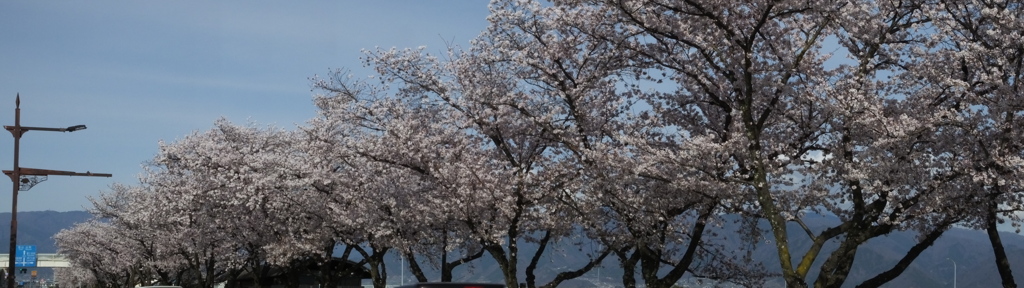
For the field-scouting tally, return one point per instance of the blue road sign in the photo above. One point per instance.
(25, 256)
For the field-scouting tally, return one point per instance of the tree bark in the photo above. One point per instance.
(378, 268)
(1002, 262)
(414, 266)
(628, 263)
(902, 265)
(447, 267)
(577, 273)
(531, 277)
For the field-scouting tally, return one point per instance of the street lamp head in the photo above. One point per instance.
(74, 128)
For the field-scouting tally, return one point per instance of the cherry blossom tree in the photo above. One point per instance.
(978, 54)
(99, 248)
(756, 108)
(473, 176)
(74, 277)
(360, 193)
(327, 171)
(148, 239)
(245, 178)
(130, 212)
(877, 109)
(645, 126)
(188, 210)
(575, 81)
(210, 206)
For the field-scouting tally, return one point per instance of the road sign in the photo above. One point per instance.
(25, 256)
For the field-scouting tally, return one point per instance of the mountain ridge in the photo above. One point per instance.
(968, 250)
(38, 227)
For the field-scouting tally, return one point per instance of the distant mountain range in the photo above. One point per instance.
(38, 227)
(969, 249)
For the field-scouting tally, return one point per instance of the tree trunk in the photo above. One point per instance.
(414, 266)
(531, 277)
(378, 269)
(628, 263)
(837, 267)
(448, 267)
(292, 273)
(232, 277)
(779, 230)
(1002, 262)
(902, 265)
(328, 276)
(506, 263)
(165, 277)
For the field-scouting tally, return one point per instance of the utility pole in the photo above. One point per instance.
(24, 179)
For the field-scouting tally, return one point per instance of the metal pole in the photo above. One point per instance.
(16, 177)
(17, 131)
(954, 271)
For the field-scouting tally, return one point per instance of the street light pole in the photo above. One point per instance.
(17, 130)
(954, 271)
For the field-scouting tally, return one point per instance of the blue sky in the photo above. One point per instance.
(137, 72)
